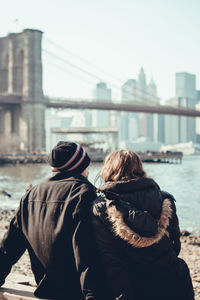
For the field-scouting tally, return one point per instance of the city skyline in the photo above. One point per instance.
(150, 131)
(113, 36)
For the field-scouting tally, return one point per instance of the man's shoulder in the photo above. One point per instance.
(69, 177)
(78, 184)
(83, 183)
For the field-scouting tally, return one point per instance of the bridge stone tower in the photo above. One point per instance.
(22, 107)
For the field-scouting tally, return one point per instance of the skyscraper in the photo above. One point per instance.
(198, 124)
(198, 96)
(129, 122)
(171, 125)
(134, 125)
(129, 91)
(152, 92)
(101, 93)
(186, 85)
(153, 120)
(187, 97)
(147, 94)
(142, 87)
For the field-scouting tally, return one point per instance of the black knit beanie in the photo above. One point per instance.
(68, 156)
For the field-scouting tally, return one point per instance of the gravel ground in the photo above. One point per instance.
(190, 252)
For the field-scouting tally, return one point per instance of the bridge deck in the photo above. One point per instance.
(143, 108)
(10, 98)
(84, 130)
(79, 104)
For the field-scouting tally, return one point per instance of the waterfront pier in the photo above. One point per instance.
(98, 157)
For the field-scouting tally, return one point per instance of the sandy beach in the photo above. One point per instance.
(190, 252)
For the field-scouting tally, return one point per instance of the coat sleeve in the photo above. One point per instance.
(12, 247)
(174, 229)
(115, 266)
(175, 235)
(92, 279)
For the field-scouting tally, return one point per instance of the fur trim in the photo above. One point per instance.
(123, 231)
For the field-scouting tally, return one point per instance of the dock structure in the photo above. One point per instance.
(23, 159)
(162, 157)
(96, 156)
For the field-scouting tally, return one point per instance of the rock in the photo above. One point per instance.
(5, 194)
(185, 233)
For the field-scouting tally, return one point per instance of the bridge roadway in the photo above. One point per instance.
(84, 130)
(6, 98)
(135, 107)
(102, 105)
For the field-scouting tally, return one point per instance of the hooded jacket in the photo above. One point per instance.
(52, 223)
(138, 237)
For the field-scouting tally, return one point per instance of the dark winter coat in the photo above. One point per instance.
(140, 265)
(53, 224)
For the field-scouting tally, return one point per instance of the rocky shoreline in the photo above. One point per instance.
(190, 252)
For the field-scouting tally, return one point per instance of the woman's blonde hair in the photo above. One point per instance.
(122, 165)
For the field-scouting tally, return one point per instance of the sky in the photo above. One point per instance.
(86, 41)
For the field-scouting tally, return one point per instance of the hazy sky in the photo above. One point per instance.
(115, 36)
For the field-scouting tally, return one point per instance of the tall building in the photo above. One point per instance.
(142, 93)
(129, 122)
(129, 91)
(102, 92)
(198, 124)
(185, 96)
(179, 129)
(147, 94)
(101, 118)
(198, 96)
(153, 120)
(134, 125)
(186, 85)
(161, 129)
(198, 119)
(171, 125)
(152, 92)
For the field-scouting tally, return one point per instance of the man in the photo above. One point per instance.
(52, 224)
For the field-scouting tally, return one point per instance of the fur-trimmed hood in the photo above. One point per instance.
(136, 210)
(142, 193)
(121, 229)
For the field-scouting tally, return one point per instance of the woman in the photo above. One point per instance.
(140, 263)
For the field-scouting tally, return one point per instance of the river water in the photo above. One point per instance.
(182, 180)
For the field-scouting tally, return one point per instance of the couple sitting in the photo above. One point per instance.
(123, 244)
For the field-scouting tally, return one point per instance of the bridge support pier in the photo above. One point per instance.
(2, 121)
(32, 126)
(21, 67)
(9, 137)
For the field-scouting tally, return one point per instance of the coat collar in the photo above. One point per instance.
(71, 175)
(128, 186)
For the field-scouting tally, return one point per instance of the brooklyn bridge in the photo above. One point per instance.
(23, 104)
